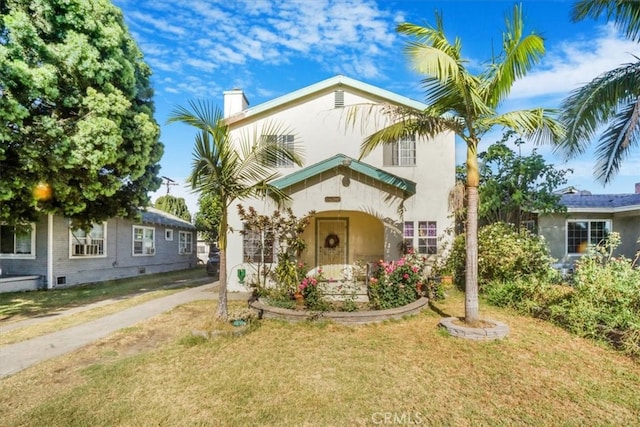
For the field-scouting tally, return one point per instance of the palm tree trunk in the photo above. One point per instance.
(471, 306)
(222, 311)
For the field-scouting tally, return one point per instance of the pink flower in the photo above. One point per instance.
(400, 262)
(414, 269)
(373, 280)
(405, 276)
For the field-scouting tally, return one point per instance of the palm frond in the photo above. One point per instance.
(625, 13)
(616, 142)
(590, 107)
(518, 56)
(538, 124)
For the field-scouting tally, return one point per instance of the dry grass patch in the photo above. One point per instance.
(326, 374)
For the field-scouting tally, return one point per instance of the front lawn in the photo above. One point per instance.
(402, 372)
(19, 305)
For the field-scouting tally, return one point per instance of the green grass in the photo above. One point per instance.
(281, 374)
(19, 305)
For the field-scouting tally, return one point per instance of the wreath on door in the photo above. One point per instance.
(331, 241)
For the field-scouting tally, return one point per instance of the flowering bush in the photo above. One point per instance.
(313, 297)
(396, 283)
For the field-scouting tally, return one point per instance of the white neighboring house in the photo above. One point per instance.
(365, 209)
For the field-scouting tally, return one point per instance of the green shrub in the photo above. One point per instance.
(604, 302)
(504, 254)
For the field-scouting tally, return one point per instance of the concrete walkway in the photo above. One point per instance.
(19, 356)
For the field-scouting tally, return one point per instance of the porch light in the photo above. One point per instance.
(346, 162)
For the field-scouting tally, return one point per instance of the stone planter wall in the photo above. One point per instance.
(343, 317)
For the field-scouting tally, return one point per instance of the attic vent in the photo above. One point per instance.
(339, 99)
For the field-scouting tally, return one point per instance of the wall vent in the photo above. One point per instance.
(339, 99)
(61, 280)
(142, 270)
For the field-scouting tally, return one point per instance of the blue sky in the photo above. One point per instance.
(199, 48)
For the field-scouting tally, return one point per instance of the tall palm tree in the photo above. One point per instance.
(232, 170)
(466, 104)
(612, 99)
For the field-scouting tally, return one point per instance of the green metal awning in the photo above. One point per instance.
(407, 186)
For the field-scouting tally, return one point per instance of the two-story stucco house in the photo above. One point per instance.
(366, 209)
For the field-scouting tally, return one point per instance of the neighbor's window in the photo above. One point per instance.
(88, 243)
(17, 242)
(582, 234)
(427, 237)
(186, 242)
(257, 246)
(168, 234)
(401, 153)
(284, 142)
(144, 240)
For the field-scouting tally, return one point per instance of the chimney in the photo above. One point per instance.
(234, 102)
(637, 187)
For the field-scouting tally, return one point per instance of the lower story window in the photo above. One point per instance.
(583, 234)
(17, 242)
(144, 240)
(87, 243)
(427, 237)
(257, 246)
(186, 242)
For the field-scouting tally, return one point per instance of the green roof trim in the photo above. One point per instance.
(407, 186)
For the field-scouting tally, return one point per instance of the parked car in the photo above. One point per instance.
(213, 264)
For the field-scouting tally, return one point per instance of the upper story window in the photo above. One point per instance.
(185, 242)
(584, 234)
(168, 234)
(401, 153)
(88, 243)
(144, 243)
(285, 142)
(18, 242)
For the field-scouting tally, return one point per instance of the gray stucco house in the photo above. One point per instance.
(54, 255)
(590, 218)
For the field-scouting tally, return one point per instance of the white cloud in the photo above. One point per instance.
(574, 63)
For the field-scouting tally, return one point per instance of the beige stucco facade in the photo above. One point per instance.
(364, 201)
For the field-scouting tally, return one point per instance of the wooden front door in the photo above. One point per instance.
(332, 238)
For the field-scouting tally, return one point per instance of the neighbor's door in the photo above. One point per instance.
(332, 240)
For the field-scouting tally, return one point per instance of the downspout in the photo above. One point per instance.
(50, 251)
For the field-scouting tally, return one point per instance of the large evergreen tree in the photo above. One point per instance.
(174, 205)
(77, 133)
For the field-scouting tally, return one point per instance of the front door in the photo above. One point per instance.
(332, 241)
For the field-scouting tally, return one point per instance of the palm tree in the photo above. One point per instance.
(232, 170)
(466, 104)
(612, 98)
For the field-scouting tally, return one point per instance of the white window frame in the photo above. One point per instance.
(257, 248)
(427, 237)
(183, 236)
(408, 234)
(14, 255)
(148, 247)
(590, 243)
(91, 245)
(168, 234)
(403, 152)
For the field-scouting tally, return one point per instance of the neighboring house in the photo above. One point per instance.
(367, 209)
(589, 219)
(61, 257)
